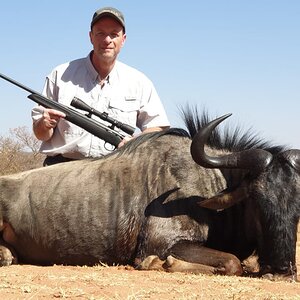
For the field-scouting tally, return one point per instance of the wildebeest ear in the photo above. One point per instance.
(225, 199)
(293, 157)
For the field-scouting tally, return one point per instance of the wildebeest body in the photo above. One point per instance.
(145, 199)
(89, 211)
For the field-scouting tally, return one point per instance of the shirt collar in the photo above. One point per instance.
(94, 74)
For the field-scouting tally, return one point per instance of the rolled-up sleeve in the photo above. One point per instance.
(37, 113)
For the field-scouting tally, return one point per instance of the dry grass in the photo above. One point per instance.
(102, 282)
(30, 282)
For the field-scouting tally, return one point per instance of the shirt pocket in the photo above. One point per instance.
(126, 104)
(124, 109)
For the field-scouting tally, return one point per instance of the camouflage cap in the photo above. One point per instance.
(111, 12)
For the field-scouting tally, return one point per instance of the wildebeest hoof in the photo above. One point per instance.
(172, 264)
(169, 262)
(152, 262)
(219, 271)
(6, 257)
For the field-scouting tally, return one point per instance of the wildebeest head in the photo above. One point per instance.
(273, 183)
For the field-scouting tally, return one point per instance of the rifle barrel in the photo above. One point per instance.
(18, 84)
(92, 126)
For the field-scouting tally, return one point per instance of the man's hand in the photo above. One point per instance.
(51, 117)
(125, 140)
(43, 127)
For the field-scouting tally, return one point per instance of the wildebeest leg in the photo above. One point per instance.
(193, 254)
(194, 258)
(7, 254)
(172, 264)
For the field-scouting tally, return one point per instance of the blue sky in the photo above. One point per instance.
(224, 55)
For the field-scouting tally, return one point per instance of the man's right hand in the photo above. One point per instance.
(51, 117)
(43, 127)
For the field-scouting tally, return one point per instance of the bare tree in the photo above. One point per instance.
(19, 151)
(27, 139)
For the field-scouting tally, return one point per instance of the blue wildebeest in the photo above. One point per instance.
(173, 200)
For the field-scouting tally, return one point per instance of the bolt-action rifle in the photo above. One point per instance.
(85, 121)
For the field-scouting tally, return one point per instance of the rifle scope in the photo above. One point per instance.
(77, 103)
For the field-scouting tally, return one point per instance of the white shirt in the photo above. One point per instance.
(127, 96)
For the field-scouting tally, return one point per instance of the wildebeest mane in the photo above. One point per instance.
(134, 143)
(231, 139)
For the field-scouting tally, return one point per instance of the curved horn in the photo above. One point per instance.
(253, 159)
(225, 199)
(293, 157)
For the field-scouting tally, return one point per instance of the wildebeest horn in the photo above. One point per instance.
(255, 160)
(293, 157)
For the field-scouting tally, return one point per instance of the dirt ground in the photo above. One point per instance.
(120, 282)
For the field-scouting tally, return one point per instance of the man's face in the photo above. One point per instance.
(107, 38)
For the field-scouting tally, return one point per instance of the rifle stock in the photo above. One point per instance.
(90, 125)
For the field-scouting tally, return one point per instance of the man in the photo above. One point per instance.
(104, 83)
